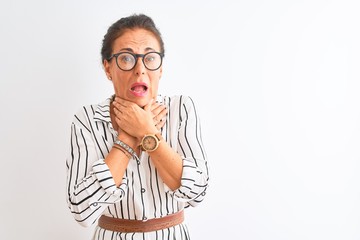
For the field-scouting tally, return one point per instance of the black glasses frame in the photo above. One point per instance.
(136, 56)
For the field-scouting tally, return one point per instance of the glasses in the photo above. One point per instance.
(126, 61)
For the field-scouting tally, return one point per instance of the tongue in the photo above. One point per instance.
(139, 89)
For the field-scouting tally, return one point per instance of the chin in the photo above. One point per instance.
(141, 102)
(144, 103)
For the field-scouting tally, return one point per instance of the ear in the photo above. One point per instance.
(106, 65)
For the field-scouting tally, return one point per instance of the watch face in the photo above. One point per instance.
(149, 143)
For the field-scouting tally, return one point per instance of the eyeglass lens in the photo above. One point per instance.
(127, 61)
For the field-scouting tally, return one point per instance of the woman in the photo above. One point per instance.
(136, 160)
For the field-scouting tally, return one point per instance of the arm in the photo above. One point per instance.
(117, 160)
(195, 174)
(168, 164)
(90, 186)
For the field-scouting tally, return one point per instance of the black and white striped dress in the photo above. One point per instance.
(142, 195)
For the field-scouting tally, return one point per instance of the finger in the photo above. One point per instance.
(117, 119)
(117, 114)
(118, 108)
(162, 114)
(158, 110)
(155, 105)
(160, 125)
(122, 102)
(160, 118)
(123, 108)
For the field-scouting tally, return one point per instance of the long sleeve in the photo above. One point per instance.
(195, 174)
(90, 186)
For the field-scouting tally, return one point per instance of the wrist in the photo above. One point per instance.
(121, 149)
(130, 141)
(128, 150)
(151, 142)
(145, 132)
(152, 130)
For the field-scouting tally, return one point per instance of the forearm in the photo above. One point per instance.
(169, 165)
(93, 193)
(117, 162)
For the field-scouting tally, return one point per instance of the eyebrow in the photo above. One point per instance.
(130, 50)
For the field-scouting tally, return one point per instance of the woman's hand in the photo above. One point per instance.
(137, 121)
(159, 112)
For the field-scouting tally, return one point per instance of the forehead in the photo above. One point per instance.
(138, 40)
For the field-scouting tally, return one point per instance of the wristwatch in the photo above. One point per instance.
(150, 142)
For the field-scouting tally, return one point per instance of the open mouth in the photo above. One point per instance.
(139, 88)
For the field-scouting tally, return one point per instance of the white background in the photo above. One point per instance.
(276, 83)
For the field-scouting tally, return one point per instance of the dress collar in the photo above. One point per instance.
(102, 111)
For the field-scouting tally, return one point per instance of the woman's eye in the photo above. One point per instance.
(126, 59)
(150, 58)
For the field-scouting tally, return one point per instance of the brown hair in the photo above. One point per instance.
(131, 22)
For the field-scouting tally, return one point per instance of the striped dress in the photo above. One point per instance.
(91, 191)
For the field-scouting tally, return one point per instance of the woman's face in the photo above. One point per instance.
(138, 85)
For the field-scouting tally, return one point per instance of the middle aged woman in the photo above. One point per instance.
(137, 159)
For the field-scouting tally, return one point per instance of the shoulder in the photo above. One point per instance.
(86, 110)
(178, 100)
(180, 105)
(84, 114)
(89, 113)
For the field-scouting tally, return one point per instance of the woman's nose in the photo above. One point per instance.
(139, 67)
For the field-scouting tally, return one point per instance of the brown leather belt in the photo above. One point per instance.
(125, 225)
